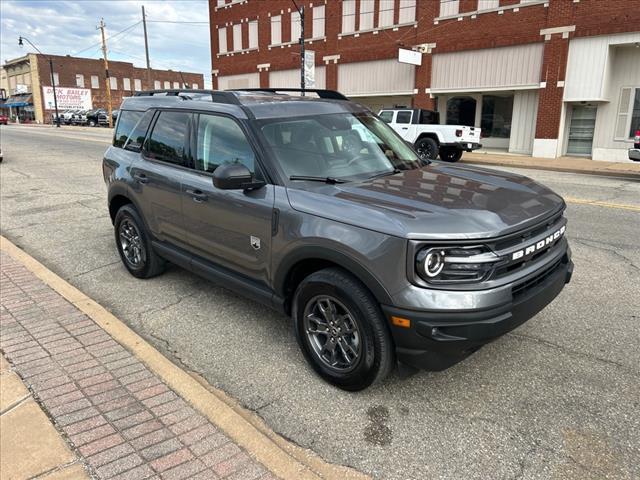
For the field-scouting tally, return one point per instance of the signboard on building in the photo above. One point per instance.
(21, 88)
(68, 98)
(309, 69)
(409, 56)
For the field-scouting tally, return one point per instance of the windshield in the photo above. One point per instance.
(343, 145)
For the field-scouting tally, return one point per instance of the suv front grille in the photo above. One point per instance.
(522, 288)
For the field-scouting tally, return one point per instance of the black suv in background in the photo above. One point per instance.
(317, 208)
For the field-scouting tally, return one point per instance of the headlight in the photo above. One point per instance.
(444, 265)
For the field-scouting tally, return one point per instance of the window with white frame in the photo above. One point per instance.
(385, 14)
(253, 34)
(449, 7)
(488, 4)
(156, 85)
(113, 83)
(221, 2)
(95, 81)
(79, 80)
(137, 85)
(366, 14)
(222, 40)
(318, 22)
(167, 84)
(407, 13)
(126, 84)
(237, 37)
(56, 80)
(195, 86)
(295, 26)
(628, 120)
(276, 30)
(176, 84)
(348, 16)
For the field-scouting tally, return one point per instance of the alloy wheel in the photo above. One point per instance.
(131, 243)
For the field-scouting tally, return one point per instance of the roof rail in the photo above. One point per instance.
(216, 96)
(322, 93)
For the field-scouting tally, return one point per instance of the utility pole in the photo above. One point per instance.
(146, 48)
(106, 72)
(301, 13)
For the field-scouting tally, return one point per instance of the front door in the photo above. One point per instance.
(230, 228)
(583, 122)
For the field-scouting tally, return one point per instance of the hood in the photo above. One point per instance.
(438, 202)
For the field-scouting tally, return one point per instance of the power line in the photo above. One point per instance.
(108, 38)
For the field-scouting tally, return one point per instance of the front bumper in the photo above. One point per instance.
(438, 339)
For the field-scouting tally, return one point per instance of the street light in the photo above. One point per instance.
(53, 81)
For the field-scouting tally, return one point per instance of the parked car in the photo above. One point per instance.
(317, 208)
(4, 120)
(66, 116)
(422, 129)
(634, 153)
(79, 117)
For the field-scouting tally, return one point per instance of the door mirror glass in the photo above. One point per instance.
(234, 176)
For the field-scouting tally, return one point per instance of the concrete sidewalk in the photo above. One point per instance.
(562, 164)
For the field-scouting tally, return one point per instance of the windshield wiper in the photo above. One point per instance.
(308, 178)
(384, 174)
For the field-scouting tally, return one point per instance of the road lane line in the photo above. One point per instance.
(597, 203)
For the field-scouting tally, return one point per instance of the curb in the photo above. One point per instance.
(279, 456)
(600, 173)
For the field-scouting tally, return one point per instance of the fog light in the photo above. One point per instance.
(434, 263)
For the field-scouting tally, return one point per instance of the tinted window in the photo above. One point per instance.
(221, 140)
(136, 138)
(126, 122)
(386, 116)
(403, 117)
(167, 140)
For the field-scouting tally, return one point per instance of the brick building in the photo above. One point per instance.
(79, 81)
(541, 77)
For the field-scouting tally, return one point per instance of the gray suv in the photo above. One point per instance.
(317, 208)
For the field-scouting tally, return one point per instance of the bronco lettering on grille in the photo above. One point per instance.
(534, 247)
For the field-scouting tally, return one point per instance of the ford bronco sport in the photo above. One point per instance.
(316, 207)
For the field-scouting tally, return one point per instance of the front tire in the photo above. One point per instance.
(427, 148)
(134, 244)
(341, 330)
(450, 154)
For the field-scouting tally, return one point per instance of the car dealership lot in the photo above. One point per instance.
(557, 397)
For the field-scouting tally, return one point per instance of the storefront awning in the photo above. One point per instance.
(19, 101)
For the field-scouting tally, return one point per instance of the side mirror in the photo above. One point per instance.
(234, 176)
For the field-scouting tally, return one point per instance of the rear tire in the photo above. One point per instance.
(450, 154)
(427, 148)
(335, 312)
(134, 244)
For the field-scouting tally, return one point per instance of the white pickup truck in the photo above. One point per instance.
(422, 129)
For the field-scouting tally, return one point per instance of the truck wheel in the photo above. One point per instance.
(450, 154)
(92, 123)
(134, 245)
(427, 148)
(341, 330)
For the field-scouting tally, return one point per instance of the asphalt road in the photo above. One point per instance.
(557, 398)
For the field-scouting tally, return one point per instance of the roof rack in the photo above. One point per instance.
(216, 96)
(322, 93)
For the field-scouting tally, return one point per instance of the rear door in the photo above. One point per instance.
(403, 125)
(231, 228)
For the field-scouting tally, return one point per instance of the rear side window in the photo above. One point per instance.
(136, 138)
(167, 140)
(403, 117)
(126, 121)
(220, 141)
(387, 116)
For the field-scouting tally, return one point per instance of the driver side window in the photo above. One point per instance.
(222, 141)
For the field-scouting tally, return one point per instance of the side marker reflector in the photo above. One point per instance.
(401, 322)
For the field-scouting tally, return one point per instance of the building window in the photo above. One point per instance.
(126, 84)
(496, 116)
(348, 16)
(79, 80)
(113, 83)
(221, 2)
(407, 12)
(276, 30)
(95, 81)
(156, 85)
(318, 22)
(222, 40)
(488, 4)
(253, 34)
(366, 14)
(385, 15)
(56, 80)
(237, 37)
(176, 84)
(137, 84)
(461, 111)
(628, 121)
(195, 86)
(295, 26)
(167, 85)
(449, 7)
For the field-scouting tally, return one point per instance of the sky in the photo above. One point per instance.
(63, 27)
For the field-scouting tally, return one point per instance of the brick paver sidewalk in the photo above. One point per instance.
(118, 416)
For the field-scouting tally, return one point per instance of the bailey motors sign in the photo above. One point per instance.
(68, 98)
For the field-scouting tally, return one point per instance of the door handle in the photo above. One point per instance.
(140, 178)
(405, 128)
(197, 195)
